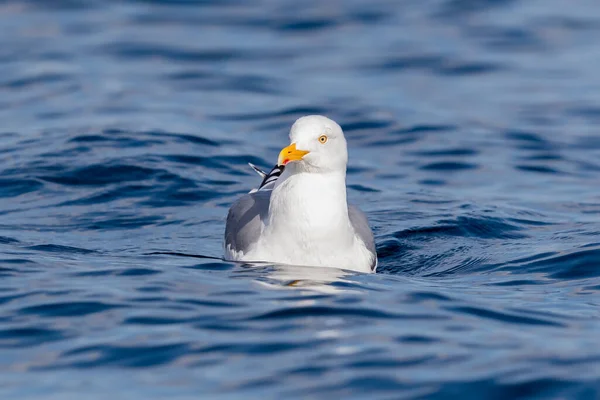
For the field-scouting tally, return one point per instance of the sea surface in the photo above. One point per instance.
(474, 137)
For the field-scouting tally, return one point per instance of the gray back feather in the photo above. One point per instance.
(361, 226)
(245, 220)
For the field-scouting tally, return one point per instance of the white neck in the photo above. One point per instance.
(309, 206)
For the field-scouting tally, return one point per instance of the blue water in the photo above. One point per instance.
(126, 128)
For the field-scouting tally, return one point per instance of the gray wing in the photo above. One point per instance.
(361, 226)
(245, 220)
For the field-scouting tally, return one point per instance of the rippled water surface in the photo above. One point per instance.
(126, 128)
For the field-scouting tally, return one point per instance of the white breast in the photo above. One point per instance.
(309, 225)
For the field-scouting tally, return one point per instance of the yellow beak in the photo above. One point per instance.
(290, 153)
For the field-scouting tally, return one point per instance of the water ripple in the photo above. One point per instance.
(126, 132)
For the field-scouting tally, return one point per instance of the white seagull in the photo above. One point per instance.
(299, 215)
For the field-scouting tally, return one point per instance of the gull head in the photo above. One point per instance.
(317, 145)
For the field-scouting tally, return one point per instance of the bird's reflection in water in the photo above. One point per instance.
(281, 276)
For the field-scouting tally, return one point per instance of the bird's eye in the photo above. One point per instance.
(323, 139)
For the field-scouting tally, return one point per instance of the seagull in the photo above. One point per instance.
(299, 214)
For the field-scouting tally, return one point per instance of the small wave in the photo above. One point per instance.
(16, 187)
(287, 113)
(55, 248)
(68, 309)
(538, 168)
(479, 227)
(101, 174)
(7, 240)
(580, 264)
(461, 152)
(123, 356)
(29, 336)
(438, 65)
(323, 312)
(505, 317)
(448, 166)
(37, 80)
